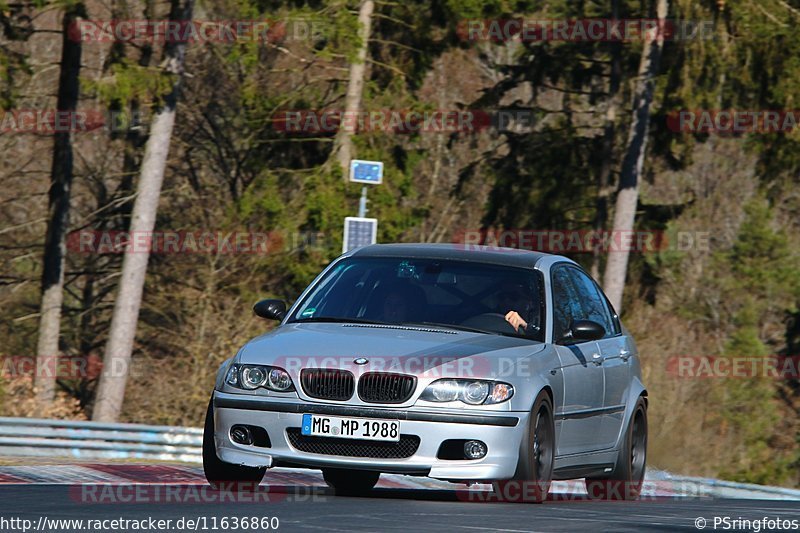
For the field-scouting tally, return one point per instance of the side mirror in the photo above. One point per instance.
(586, 330)
(272, 309)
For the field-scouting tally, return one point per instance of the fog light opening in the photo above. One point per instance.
(241, 435)
(474, 449)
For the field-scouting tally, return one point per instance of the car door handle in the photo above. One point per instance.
(597, 359)
(624, 355)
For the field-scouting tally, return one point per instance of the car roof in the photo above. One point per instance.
(512, 257)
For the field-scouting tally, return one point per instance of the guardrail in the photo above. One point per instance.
(717, 488)
(36, 437)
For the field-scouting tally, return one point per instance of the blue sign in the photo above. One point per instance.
(366, 171)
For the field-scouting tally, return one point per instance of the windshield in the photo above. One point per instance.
(432, 292)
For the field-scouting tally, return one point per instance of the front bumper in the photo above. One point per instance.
(501, 431)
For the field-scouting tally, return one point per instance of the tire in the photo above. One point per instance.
(534, 473)
(220, 474)
(625, 481)
(350, 482)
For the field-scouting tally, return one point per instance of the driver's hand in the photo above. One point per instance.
(513, 318)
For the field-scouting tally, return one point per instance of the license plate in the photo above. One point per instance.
(350, 428)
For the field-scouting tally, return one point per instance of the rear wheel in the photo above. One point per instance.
(534, 473)
(220, 474)
(350, 482)
(625, 481)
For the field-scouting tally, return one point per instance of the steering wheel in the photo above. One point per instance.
(490, 322)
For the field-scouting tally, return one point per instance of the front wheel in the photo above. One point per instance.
(350, 482)
(220, 474)
(625, 481)
(534, 473)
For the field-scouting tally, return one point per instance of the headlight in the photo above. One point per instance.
(279, 380)
(472, 392)
(251, 377)
(475, 393)
(444, 390)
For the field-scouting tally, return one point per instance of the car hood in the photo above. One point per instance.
(410, 350)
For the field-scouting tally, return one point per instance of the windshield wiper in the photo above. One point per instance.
(338, 319)
(451, 326)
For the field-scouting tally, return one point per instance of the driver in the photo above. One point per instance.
(403, 302)
(513, 303)
(395, 307)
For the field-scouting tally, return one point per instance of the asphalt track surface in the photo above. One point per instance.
(301, 508)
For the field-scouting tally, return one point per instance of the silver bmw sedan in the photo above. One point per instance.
(457, 362)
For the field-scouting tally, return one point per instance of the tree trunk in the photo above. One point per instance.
(628, 191)
(116, 361)
(609, 134)
(355, 88)
(58, 215)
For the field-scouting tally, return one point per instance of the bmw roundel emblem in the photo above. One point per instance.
(361, 361)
